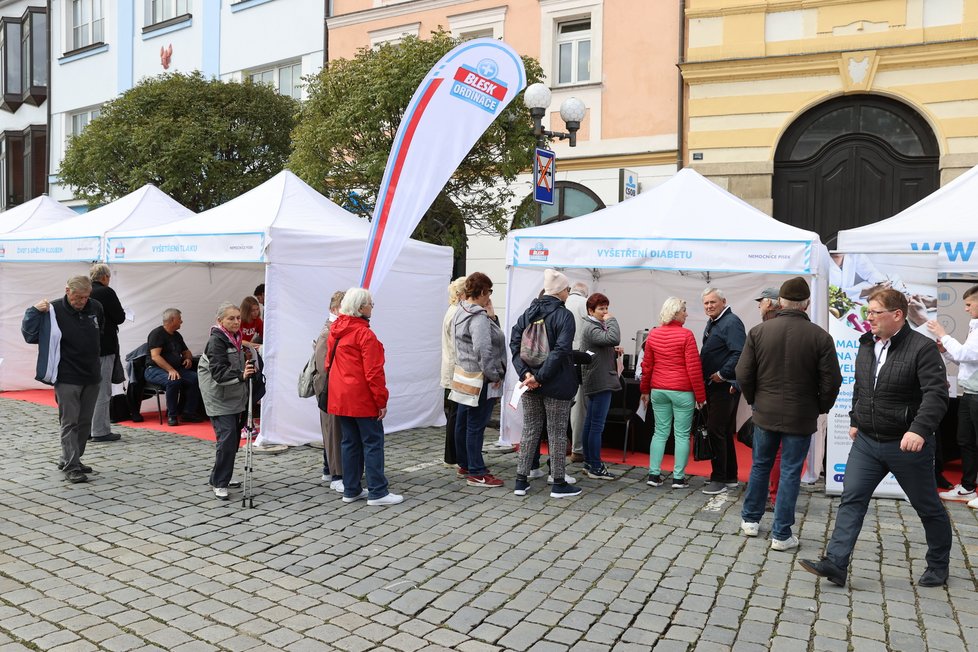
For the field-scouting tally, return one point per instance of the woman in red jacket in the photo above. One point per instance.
(673, 378)
(358, 396)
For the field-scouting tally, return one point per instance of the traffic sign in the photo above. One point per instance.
(544, 162)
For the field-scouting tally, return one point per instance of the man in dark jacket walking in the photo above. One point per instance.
(67, 332)
(723, 341)
(552, 385)
(108, 349)
(789, 374)
(898, 401)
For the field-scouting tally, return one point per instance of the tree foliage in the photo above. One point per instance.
(201, 141)
(347, 128)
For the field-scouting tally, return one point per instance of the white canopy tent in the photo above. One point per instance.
(304, 247)
(673, 240)
(38, 212)
(944, 221)
(66, 248)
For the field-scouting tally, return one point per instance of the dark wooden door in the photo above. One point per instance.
(853, 162)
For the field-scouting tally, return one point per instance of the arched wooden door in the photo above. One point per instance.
(853, 161)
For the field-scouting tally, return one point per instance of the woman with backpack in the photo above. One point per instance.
(542, 344)
(601, 336)
(480, 347)
(222, 375)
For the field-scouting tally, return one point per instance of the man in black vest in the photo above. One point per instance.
(898, 401)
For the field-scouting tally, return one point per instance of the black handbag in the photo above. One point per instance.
(746, 433)
(119, 408)
(322, 400)
(702, 449)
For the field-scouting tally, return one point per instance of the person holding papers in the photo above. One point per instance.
(672, 379)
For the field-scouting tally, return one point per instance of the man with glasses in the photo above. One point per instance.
(898, 401)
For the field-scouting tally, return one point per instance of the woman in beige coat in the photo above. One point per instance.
(448, 364)
(330, 424)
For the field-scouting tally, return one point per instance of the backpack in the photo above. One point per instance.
(534, 344)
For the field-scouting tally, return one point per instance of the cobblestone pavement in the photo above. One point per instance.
(145, 558)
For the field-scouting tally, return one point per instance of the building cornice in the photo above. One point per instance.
(827, 63)
(393, 11)
(668, 157)
(771, 6)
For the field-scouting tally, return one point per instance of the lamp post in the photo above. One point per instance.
(572, 110)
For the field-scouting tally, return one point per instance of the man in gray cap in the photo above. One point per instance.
(768, 304)
(789, 374)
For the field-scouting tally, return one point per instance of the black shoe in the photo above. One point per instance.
(656, 480)
(137, 418)
(112, 436)
(75, 477)
(172, 421)
(825, 568)
(191, 418)
(933, 577)
(943, 483)
(84, 468)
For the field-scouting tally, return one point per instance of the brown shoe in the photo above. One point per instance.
(577, 457)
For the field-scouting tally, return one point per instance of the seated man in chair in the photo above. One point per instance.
(170, 366)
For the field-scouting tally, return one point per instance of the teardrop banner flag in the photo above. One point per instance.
(454, 105)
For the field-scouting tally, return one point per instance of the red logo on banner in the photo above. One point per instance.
(480, 83)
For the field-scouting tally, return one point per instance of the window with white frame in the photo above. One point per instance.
(286, 79)
(161, 10)
(86, 23)
(77, 121)
(573, 56)
(485, 23)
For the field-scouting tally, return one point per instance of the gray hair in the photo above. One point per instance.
(170, 313)
(353, 300)
(670, 308)
(221, 310)
(79, 284)
(787, 304)
(580, 287)
(716, 291)
(99, 270)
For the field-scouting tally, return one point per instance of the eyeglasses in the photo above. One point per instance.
(877, 313)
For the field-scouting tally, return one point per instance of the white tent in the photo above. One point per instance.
(66, 248)
(38, 212)
(304, 247)
(673, 240)
(943, 221)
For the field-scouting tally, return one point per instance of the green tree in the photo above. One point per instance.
(201, 141)
(347, 127)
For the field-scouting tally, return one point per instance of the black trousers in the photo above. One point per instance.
(968, 440)
(721, 424)
(451, 410)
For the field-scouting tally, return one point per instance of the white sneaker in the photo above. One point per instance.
(569, 479)
(363, 495)
(221, 492)
(788, 544)
(336, 485)
(749, 529)
(973, 504)
(326, 477)
(535, 473)
(389, 499)
(959, 493)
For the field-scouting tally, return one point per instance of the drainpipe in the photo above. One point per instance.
(47, 137)
(328, 10)
(680, 121)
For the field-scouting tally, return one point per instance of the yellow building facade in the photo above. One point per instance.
(831, 114)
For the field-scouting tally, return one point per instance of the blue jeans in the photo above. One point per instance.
(470, 431)
(794, 449)
(187, 383)
(597, 412)
(363, 450)
(869, 462)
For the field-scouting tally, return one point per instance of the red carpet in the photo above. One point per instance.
(152, 420)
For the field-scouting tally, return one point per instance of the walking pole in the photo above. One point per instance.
(247, 497)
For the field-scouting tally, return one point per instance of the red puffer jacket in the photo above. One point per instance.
(357, 386)
(671, 361)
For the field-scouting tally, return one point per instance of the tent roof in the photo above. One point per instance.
(38, 212)
(943, 221)
(681, 224)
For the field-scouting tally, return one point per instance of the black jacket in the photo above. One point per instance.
(114, 316)
(910, 393)
(723, 341)
(556, 375)
(789, 373)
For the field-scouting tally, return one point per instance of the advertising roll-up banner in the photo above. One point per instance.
(454, 105)
(853, 276)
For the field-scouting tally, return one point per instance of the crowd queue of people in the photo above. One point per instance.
(565, 349)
